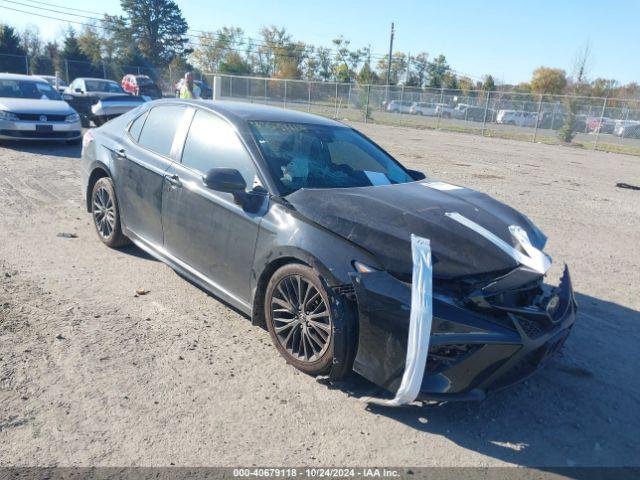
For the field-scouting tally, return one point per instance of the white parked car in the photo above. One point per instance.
(424, 108)
(518, 118)
(445, 111)
(396, 106)
(31, 109)
(627, 129)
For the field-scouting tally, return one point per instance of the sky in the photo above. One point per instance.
(507, 39)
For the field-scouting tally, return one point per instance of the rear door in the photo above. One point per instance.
(206, 229)
(140, 165)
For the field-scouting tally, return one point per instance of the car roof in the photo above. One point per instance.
(238, 112)
(18, 76)
(96, 79)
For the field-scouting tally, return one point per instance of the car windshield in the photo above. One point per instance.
(27, 89)
(142, 81)
(52, 81)
(100, 86)
(320, 156)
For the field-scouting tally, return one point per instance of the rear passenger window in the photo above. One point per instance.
(160, 128)
(136, 127)
(213, 143)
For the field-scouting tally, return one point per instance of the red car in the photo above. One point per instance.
(141, 85)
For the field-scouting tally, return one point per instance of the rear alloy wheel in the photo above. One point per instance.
(299, 318)
(106, 216)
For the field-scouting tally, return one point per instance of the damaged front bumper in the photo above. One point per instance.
(475, 347)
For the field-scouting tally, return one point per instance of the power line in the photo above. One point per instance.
(299, 50)
(246, 40)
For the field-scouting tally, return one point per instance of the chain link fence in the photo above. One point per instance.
(68, 70)
(590, 122)
(607, 124)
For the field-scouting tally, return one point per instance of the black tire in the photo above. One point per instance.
(295, 331)
(106, 215)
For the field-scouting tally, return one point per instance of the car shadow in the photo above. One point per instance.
(137, 252)
(46, 148)
(579, 409)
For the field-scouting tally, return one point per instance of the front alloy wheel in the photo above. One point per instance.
(299, 318)
(106, 216)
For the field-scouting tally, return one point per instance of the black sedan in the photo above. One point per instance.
(305, 224)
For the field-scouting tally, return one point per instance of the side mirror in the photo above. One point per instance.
(78, 90)
(416, 174)
(225, 180)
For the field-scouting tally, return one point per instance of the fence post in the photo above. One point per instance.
(285, 93)
(66, 69)
(366, 110)
(335, 115)
(349, 97)
(486, 109)
(535, 133)
(26, 63)
(266, 98)
(440, 112)
(604, 106)
(624, 123)
(231, 87)
(401, 102)
(309, 104)
(104, 70)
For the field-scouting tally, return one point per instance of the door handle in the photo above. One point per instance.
(174, 180)
(121, 152)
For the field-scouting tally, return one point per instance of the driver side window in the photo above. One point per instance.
(213, 143)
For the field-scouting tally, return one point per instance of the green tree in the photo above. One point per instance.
(32, 45)
(347, 60)
(78, 64)
(549, 80)
(488, 85)
(90, 43)
(10, 41)
(157, 27)
(437, 72)
(417, 67)
(280, 56)
(215, 48)
(235, 64)
(398, 67)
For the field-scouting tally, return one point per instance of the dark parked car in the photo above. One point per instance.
(141, 85)
(99, 100)
(303, 223)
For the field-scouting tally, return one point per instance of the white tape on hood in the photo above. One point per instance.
(419, 325)
(535, 259)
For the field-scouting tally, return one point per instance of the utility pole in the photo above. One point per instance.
(390, 55)
(386, 92)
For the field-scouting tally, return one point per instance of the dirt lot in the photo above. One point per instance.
(91, 374)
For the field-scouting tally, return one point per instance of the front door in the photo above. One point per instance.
(206, 229)
(140, 163)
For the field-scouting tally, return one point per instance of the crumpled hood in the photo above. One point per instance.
(381, 220)
(30, 105)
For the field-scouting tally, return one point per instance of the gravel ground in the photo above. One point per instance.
(92, 374)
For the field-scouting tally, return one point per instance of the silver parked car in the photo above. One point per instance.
(31, 109)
